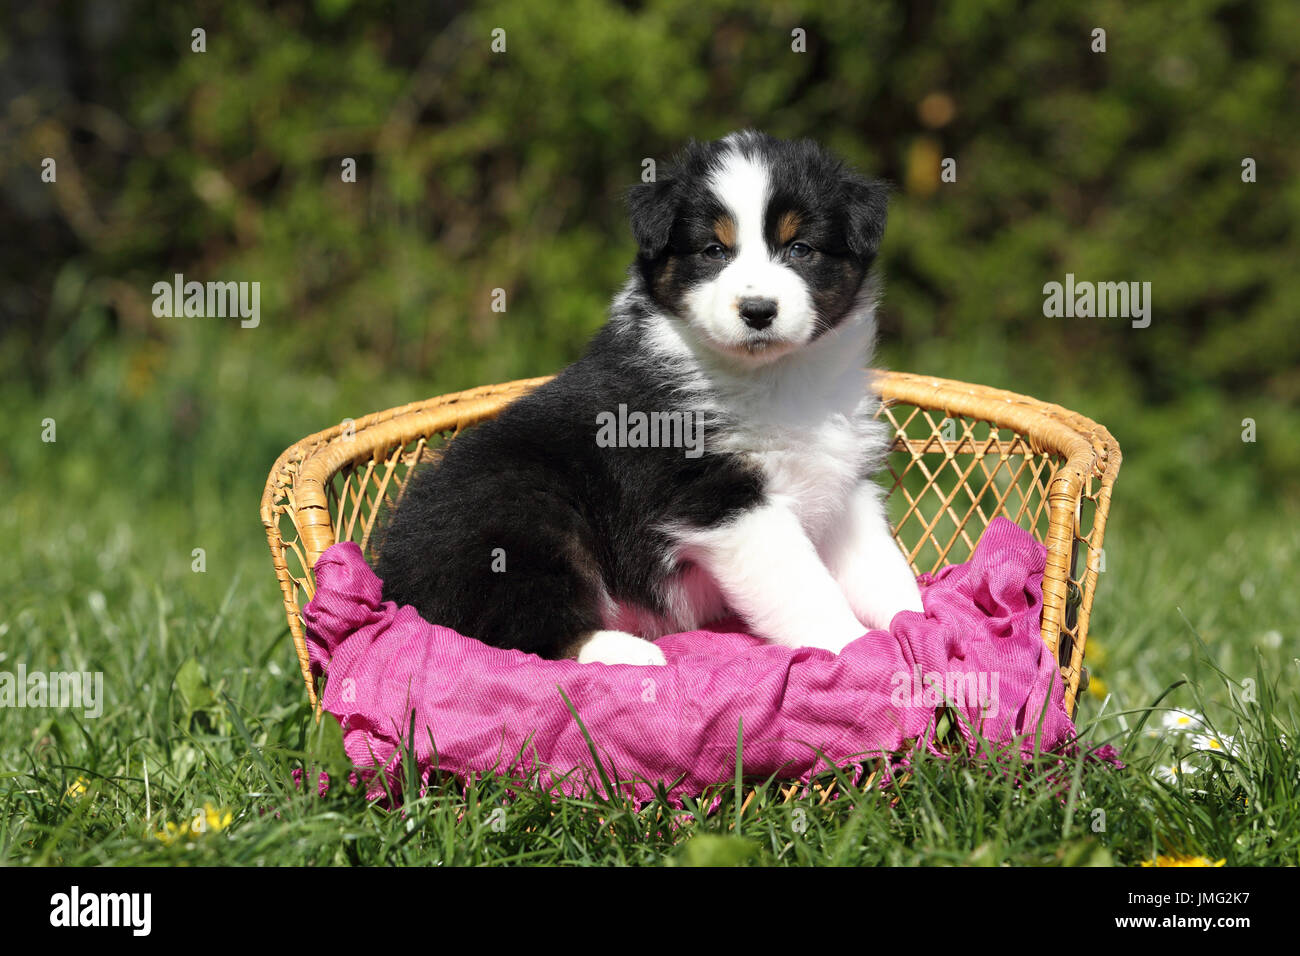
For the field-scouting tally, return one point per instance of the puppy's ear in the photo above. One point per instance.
(867, 204)
(653, 208)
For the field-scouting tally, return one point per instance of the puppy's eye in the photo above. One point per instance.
(714, 250)
(800, 250)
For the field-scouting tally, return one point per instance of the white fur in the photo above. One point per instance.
(806, 422)
(771, 575)
(713, 308)
(861, 553)
(798, 586)
(619, 647)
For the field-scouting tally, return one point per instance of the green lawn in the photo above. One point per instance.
(204, 707)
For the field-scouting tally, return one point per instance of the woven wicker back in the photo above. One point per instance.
(964, 454)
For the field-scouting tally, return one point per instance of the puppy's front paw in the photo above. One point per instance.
(619, 647)
(836, 640)
(877, 608)
(881, 620)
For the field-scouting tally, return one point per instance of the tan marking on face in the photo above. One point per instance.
(788, 226)
(665, 276)
(724, 227)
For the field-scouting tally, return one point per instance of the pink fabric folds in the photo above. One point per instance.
(487, 710)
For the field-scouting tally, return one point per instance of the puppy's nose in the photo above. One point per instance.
(758, 313)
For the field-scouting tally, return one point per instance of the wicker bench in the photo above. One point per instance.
(963, 454)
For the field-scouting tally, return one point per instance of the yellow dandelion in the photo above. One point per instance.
(170, 833)
(77, 788)
(1097, 688)
(1162, 860)
(218, 820)
(208, 820)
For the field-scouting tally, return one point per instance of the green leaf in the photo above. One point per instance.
(709, 849)
(192, 685)
(1086, 852)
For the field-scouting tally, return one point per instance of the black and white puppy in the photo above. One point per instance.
(747, 319)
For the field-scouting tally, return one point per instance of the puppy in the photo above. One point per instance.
(710, 454)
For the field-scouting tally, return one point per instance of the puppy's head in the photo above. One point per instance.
(758, 245)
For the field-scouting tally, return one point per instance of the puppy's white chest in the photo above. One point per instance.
(811, 470)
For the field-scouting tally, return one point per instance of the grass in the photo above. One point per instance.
(204, 720)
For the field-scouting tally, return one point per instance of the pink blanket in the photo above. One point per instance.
(487, 710)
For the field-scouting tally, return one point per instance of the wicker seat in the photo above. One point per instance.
(963, 455)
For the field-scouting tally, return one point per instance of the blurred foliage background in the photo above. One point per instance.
(480, 170)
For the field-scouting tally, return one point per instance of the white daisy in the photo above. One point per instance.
(1182, 721)
(1213, 743)
(1173, 772)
